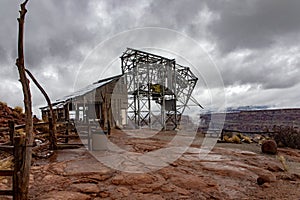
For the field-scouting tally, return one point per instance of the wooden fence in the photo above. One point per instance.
(16, 147)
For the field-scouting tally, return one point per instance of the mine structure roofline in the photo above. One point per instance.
(109, 78)
(83, 91)
(130, 56)
(132, 52)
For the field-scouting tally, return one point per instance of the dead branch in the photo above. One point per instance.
(52, 121)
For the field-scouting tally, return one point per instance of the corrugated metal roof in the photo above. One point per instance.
(84, 90)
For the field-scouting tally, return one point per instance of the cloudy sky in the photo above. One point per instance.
(254, 45)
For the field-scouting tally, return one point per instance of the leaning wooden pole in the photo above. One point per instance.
(22, 176)
(51, 118)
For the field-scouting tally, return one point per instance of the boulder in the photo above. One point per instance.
(269, 147)
(265, 178)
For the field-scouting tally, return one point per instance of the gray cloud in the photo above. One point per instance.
(3, 56)
(253, 42)
(253, 24)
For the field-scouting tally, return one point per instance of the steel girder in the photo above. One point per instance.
(158, 88)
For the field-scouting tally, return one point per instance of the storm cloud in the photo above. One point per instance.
(254, 43)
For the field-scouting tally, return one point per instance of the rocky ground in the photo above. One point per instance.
(10, 114)
(229, 171)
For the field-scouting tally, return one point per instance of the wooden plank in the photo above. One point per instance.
(69, 146)
(35, 125)
(64, 144)
(6, 172)
(6, 148)
(6, 192)
(68, 136)
(4, 129)
(19, 126)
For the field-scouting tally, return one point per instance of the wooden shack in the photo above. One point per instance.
(104, 101)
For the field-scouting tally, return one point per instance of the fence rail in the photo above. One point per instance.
(15, 148)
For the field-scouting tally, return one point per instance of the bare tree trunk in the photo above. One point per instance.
(23, 174)
(51, 118)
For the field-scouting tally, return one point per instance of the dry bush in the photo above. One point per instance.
(233, 139)
(18, 109)
(240, 135)
(283, 162)
(15, 114)
(236, 139)
(227, 139)
(228, 134)
(2, 104)
(246, 139)
(43, 129)
(287, 136)
(6, 163)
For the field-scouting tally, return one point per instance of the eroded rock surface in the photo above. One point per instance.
(225, 173)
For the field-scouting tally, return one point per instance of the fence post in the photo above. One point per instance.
(89, 136)
(67, 132)
(11, 126)
(19, 149)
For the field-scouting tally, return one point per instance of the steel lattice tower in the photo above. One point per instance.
(158, 89)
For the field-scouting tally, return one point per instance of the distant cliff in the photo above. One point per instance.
(257, 120)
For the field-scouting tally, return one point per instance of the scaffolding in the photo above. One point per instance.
(158, 89)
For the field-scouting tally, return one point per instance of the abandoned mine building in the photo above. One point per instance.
(151, 91)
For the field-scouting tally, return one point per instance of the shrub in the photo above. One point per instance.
(240, 135)
(236, 139)
(3, 103)
(246, 139)
(227, 139)
(43, 129)
(228, 134)
(18, 109)
(287, 136)
(15, 114)
(283, 162)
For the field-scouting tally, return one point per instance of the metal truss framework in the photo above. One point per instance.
(158, 89)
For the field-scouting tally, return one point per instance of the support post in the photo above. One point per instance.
(11, 125)
(18, 177)
(22, 175)
(67, 132)
(89, 136)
